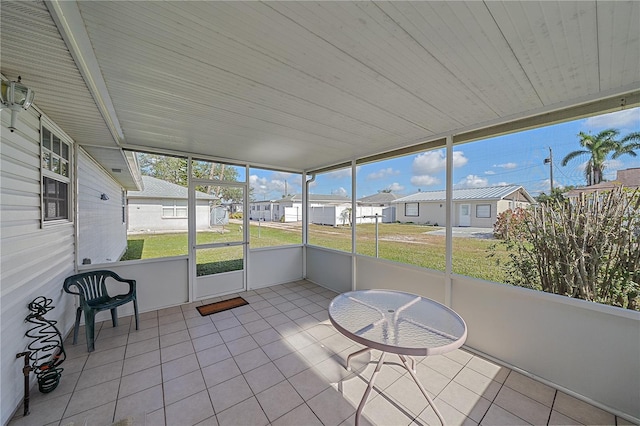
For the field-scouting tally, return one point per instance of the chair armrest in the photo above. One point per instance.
(132, 283)
(67, 286)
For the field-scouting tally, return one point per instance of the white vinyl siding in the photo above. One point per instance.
(35, 260)
(429, 213)
(148, 214)
(102, 237)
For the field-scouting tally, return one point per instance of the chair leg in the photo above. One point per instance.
(114, 316)
(76, 327)
(90, 326)
(135, 309)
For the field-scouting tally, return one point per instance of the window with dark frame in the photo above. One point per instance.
(411, 209)
(56, 176)
(483, 210)
(55, 199)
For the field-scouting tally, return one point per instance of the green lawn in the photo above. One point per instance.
(405, 243)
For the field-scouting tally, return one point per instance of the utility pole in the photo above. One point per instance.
(550, 162)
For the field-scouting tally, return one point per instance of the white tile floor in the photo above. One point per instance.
(278, 361)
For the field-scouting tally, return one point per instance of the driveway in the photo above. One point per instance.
(466, 232)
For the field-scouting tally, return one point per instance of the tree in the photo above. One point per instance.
(628, 145)
(588, 248)
(167, 168)
(599, 147)
(555, 196)
(174, 170)
(345, 215)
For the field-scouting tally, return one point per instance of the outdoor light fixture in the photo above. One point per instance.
(104, 197)
(15, 96)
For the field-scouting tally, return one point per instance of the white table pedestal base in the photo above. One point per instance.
(411, 370)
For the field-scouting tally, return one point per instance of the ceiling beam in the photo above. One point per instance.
(69, 21)
(601, 106)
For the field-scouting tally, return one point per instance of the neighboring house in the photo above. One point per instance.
(384, 200)
(323, 209)
(478, 207)
(162, 206)
(266, 210)
(291, 208)
(627, 178)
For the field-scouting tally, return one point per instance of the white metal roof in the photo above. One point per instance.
(461, 194)
(379, 198)
(158, 188)
(303, 85)
(317, 198)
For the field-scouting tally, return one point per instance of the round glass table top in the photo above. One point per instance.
(397, 322)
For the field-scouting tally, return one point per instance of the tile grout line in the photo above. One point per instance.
(164, 405)
(555, 394)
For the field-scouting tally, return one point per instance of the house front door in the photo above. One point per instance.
(464, 219)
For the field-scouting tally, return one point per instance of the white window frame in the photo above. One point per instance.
(478, 211)
(174, 207)
(417, 209)
(56, 176)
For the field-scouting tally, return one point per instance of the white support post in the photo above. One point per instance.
(191, 236)
(354, 211)
(449, 222)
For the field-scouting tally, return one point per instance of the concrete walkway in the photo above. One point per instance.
(466, 232)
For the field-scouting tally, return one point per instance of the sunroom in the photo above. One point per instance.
(305, 89)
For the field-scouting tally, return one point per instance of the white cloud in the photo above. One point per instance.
(340, 191)
(501, 184)
(489, 172)
(396, 187)
(424, 180)
(382, 173)
(432, 162)
(610, 167)
(619, 119)
(284, 176)
(472, 181)
(613, 164)
(341, 174)
(275, 187)
(258, 184)
(506, 165)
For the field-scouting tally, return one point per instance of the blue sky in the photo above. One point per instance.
(511, 159)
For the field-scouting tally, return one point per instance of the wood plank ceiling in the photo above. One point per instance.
(303, 85)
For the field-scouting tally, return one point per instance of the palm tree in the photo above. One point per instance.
(628, 145)
(345, 215)
(598, 147)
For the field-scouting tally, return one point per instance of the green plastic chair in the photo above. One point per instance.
(91, 287)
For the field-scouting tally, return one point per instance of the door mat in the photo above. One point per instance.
(213, 308)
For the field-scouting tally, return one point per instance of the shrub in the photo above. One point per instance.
(587, 249)
(236, 215)
(509, 224)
